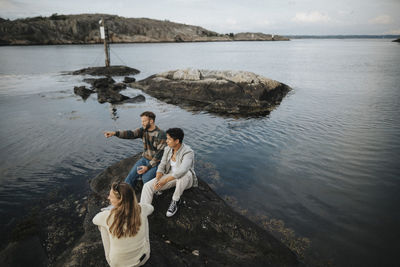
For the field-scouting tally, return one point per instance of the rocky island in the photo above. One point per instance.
(237, 93)
(84, 29)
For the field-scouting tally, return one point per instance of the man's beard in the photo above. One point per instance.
(147, 126)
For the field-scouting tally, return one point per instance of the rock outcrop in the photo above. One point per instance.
(397, 40)
(237, 93)
(106, 88)
(84, 29)
(205, 231)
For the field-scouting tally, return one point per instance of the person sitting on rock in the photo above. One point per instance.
(124, 229)
(154, 141)
(176, 169)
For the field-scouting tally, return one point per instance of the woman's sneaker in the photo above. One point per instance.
(173, 208)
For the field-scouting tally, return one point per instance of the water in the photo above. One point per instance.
(325, 161)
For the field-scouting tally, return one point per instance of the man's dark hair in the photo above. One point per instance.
(176, 133)
(149, 114)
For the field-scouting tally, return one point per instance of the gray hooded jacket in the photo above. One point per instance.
(184, 162)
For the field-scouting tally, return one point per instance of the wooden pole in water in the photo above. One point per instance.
(104, 35)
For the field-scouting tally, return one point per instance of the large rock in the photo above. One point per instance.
(205, 231)
(238, 93)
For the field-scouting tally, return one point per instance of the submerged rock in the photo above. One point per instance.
(129, 80)
(107, 71)
(205, 231)
(27, 252)
(83, 92)
(238, 93)
(136, 99)
(110, 96)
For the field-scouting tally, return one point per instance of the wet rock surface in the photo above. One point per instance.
(107, 71)
(237, 93)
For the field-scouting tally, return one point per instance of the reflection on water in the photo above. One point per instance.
(324, 162)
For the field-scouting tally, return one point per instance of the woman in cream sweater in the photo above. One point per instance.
(124, 228)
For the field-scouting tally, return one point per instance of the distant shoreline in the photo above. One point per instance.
(85, 29)
(292, 37)
(342, 36)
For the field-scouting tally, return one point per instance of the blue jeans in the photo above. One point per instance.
(147, 176)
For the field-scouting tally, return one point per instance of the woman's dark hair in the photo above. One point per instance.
(176, 133)
(126, 214)
(149, 114)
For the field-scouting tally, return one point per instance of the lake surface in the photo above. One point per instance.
(325, 162)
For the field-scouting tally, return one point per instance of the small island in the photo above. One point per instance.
(232, 93)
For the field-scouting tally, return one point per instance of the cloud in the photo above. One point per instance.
(393, 32)
(382, 19)
(311, 17)
(265, 22)
(231, 21)
(345, 12)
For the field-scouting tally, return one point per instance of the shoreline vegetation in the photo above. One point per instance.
(84, 29)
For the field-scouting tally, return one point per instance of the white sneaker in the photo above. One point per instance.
(173, 208)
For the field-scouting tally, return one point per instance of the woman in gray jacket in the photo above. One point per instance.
(176, 169)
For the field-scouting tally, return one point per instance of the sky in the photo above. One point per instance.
(284, 17)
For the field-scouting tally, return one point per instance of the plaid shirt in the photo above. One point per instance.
(153, 143)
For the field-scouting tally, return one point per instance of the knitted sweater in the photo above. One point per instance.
(153, 143)
(125, 251)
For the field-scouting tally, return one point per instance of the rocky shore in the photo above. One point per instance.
(236, 93)
(84, 29)
(204, 232)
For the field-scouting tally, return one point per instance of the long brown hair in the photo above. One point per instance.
(126, 214)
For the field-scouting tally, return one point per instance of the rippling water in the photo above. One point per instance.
(325, 161)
